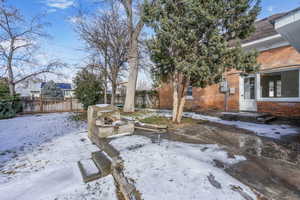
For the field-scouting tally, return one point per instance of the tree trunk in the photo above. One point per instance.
(105, 94)
(182, 102)
(180, 86)
(175, 96)
(132, 77)
(11, 83)
(105, 78)
(113, 93)
(105, 89)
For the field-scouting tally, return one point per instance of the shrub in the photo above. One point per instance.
(88, 88)
(9, 106)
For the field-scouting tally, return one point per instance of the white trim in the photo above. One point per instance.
(283, 69)
(290, 100)
(261, 40)
(288, 19)
(283, 99)
(189, 97)
(242, 100)
(258, 90)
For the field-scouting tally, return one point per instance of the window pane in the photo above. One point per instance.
(271, 88)
(278, 88)
(249, 88)
(290, 84)
(190, 91)
(280, 84)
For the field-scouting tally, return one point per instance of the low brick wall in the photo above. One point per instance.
(282, 109)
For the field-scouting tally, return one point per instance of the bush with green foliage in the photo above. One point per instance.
(9, 106)
(4, 90)
(88, 88)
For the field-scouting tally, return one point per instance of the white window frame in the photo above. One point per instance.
(279, 99)
(190, 97)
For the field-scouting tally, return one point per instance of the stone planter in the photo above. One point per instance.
(105, 121)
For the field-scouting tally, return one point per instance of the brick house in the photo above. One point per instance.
(274, 89)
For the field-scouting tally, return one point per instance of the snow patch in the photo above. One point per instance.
(102, 105)
(89, 167)
(174, 170)
(47, 169)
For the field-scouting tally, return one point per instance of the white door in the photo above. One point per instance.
(248, 93)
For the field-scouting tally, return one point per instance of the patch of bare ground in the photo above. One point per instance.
(79, 116)
(158, 120)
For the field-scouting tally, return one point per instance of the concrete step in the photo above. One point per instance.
(102, 162)
(89, 171)
(104, 145)
(265, 119)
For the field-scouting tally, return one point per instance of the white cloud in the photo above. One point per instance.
(270, 8)
(59, 4)
(75, 20)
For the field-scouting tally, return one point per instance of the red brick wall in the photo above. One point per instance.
(209, 98)
(284, 109)
(279, 57)
(165, 96)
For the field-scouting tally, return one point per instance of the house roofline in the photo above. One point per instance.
(265, 39)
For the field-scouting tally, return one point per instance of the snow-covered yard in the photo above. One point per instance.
(174, 170)
(39, 154)
(38, 159)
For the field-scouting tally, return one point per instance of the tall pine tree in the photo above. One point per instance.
(196, 41)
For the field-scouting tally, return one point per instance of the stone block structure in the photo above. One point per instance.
(105, 121)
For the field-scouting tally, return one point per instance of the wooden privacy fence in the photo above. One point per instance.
(48, 105)
(143, 99)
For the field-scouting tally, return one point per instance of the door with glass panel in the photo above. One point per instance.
(248, 93)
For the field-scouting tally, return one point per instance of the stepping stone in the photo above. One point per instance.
(89, 171)
(103, 162)
(214, 182)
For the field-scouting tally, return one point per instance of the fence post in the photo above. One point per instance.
(41, 103)
(71, 103)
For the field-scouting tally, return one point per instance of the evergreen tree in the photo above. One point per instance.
(197, 41)
(88, 88)
(4, 90)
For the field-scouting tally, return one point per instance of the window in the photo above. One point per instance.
(190, 91)
(249, 88)
(280, 84)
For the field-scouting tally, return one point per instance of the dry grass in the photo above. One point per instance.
(136, 114)
(80, 116)
(166, 121)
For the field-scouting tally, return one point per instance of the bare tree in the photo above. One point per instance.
(18, 43)
(106, 34)
(135, 24)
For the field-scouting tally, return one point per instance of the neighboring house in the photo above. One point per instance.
(32, 88)
(67, 89)
(275, 89)
(121, 88)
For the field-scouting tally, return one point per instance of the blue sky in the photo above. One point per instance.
(65, 43)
